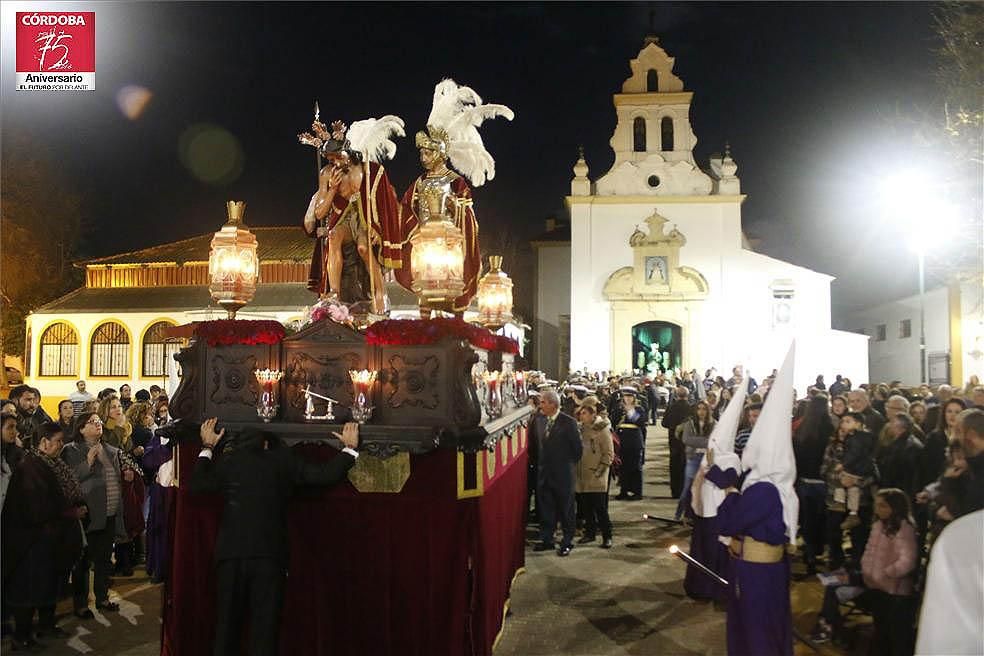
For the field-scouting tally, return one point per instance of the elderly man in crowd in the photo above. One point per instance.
(857, 401)
(558, 452)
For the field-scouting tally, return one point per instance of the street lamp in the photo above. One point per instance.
(918, 202)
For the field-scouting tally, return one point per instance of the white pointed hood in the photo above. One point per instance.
(722, 442)
(769, 453)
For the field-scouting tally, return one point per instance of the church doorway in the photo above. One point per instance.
(656, 347)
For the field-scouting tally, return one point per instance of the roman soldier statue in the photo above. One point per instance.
(451, 151)
(354, 214)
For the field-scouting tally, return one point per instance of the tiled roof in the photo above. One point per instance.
(272, 297)
(274, 243)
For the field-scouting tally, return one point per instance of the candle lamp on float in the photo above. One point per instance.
(233, 266)
(437, 260)
(494, 296)
(362, 382)
(268, 402)
(494, 399)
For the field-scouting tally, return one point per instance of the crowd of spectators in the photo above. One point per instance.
(74, 499)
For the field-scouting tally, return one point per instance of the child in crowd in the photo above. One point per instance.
(885, 587)
(858, 464)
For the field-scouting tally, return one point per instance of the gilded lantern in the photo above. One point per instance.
(494, 296)
(233, 266)
(437, 264)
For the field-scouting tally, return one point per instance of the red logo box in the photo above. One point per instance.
(56, 50)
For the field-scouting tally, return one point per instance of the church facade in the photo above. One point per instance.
(660, 274)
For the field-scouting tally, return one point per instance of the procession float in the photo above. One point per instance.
(417, 555)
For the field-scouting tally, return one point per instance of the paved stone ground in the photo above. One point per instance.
(622, 602)
(627, 601)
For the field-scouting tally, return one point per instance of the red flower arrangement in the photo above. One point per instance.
(407, 332)
(227, 332)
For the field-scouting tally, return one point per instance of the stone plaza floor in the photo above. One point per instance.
(625, 601)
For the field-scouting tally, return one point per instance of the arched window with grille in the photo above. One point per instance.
(666, 128)
(157, 350)
(110, 351)
(652, 81)
(639, 134)
(59, 350)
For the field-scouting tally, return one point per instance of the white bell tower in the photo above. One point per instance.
(654, 141)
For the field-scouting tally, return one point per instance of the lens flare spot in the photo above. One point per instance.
(211, 153)
(132, 100)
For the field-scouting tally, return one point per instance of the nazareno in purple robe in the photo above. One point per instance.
(707, 549)
(760, 621)
(158, 555)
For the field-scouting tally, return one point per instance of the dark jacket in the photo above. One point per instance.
(873, 420)
(37, 509)
(899, 465)
(256, 485)
(678, 412)
(859, 454)
(29, 425)
(559, 452)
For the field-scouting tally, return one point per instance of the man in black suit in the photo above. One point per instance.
(251, 551)
(675, 415)
(559, 449)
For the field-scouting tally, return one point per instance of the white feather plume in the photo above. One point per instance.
(373, 137)
(459, 111)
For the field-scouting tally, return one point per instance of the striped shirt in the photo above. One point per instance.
(112, 484)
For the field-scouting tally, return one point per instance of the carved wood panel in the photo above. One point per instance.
(229, 384)
(412, 381)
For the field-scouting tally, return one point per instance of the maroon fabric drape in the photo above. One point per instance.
(419, 572)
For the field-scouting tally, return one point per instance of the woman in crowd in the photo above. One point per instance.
(141, 417)
(41, 536)
(8, 407)
(592, 474)
(695, 433)
(917, 410)
(11, 454)
(116, 428)
(712, 403)
(810, 441)
(66, 416)
(162, 415)
(887, 575)
(935, 447)
(97, 467)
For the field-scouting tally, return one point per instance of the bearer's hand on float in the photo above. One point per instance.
(349, 435)
(207, 432)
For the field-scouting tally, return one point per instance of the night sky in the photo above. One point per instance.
(805, 94)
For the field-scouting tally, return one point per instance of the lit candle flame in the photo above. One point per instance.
(674, 549)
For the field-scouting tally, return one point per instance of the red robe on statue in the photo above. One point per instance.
(468, 225)
(379, 214)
